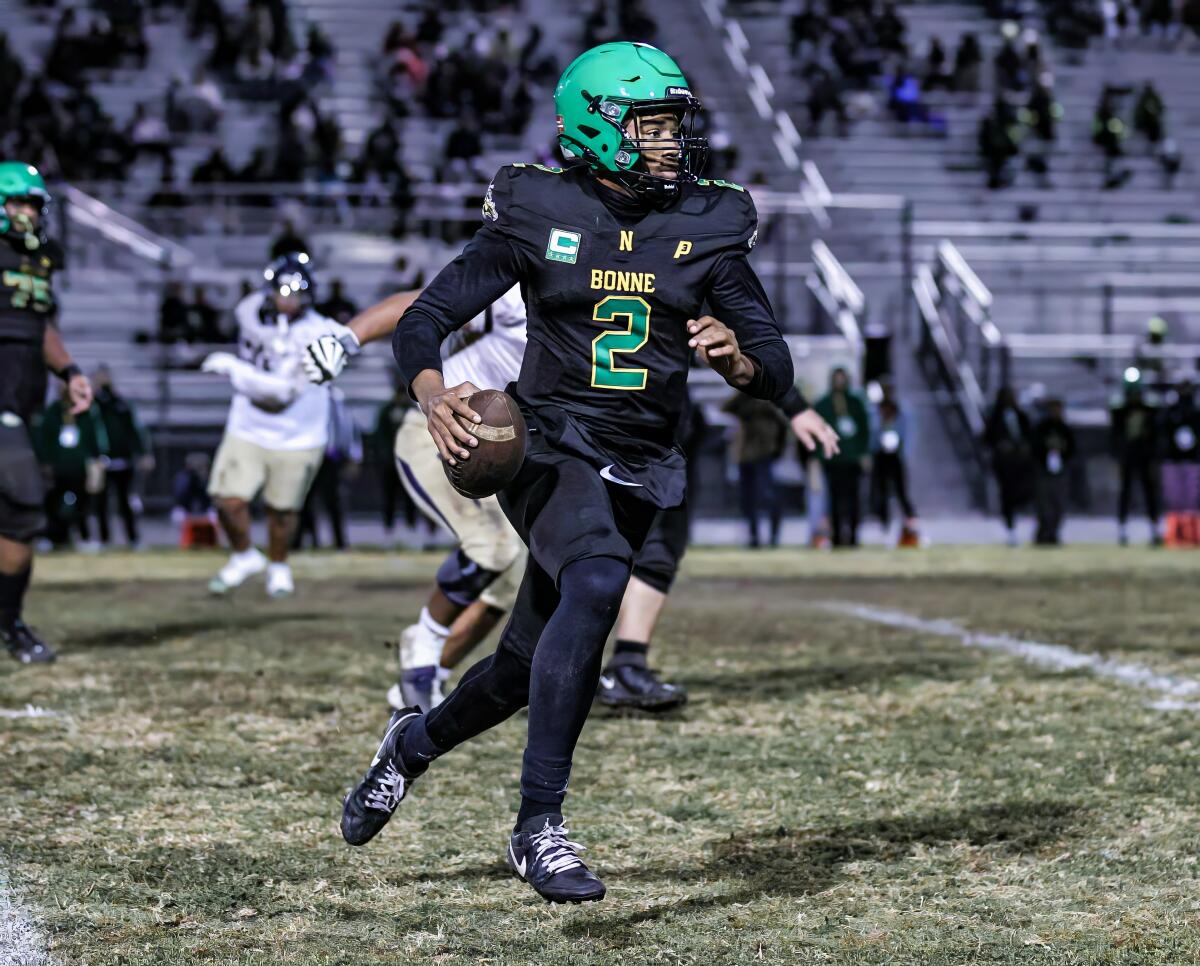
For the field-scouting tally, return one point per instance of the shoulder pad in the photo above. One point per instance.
(728, 210)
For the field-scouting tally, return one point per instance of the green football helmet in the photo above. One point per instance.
(21, 180)
(607, 86)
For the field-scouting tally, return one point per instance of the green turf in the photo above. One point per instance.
(837, 792)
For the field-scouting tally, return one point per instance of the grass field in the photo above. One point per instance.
(838, 791)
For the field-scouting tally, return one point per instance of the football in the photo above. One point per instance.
(502, 438)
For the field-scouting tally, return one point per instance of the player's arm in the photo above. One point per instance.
(58, 360)
(326, 357)
(265, 389)
(487, 268)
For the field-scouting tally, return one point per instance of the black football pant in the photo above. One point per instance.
(843, 479)
(585, 532)
(119, 485)
(1140, 471)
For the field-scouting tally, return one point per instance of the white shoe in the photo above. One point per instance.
(279, 580)
(240, 568)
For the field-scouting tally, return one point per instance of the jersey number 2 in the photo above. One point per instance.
(636, 313)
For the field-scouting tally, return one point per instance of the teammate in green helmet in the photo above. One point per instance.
(30, 345)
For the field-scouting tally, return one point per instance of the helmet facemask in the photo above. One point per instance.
(657, 151)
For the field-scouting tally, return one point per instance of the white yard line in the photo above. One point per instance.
(1057, 657)
(30, 711)
(21, 943)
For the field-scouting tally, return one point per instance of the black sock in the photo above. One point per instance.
(417, 750)
(629, 653)
(532, 809)
(12, 594)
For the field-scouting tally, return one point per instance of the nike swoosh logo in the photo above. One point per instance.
(608, 683)
(386, 735)
(606, 473)
(519, 866)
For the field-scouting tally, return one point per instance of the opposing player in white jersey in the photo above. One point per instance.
(488, 563)
(275, 434)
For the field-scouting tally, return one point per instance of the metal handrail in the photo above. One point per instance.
(122, 230)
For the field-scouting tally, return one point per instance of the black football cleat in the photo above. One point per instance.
(366, 810)
(540, 853)
(632, 687)
(25, 646)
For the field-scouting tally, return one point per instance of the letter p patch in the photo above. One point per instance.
(683, 248)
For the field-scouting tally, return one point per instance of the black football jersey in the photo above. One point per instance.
(608, 293)
(27, 305)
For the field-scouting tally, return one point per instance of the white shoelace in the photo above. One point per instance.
(390, 789)
(555, 850)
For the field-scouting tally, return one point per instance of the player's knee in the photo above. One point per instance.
(462, 579)
(596, 583)
(497, 553)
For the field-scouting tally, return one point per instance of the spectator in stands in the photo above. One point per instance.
(404, 276)
(1043, 111)
(288, 240)
(1149, 114)
(320, 57)
(204, 319)
(173, 315)
(1008, 437)
(148, 134)
(381, 153)
(998, 139)
(1108, 134)
(464, 141)
(71, 449)
(1157, 17)
(634, 21)
(825, 96)
(846, 412)
(430, 27)
(887, 465)
(1009, 65)
(757, 445)
(936, 72)
(968, 63)
(128, 453)
(1136, 446)
(807, 28)
(197, 106)
(215, 169)
(1053, 449)
(337, 306)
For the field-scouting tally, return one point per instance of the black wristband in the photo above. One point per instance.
(793, 403)
(69, 372)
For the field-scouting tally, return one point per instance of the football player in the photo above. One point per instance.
(276, 431)
(615, 257)
(30, 345)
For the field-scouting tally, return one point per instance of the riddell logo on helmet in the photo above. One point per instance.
(678, 92)
(559, 121)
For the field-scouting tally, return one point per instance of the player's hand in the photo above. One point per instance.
(440, 409)
(325, 358)
(219, 363)
(815, 433)
(80, 392)
(718, 349)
